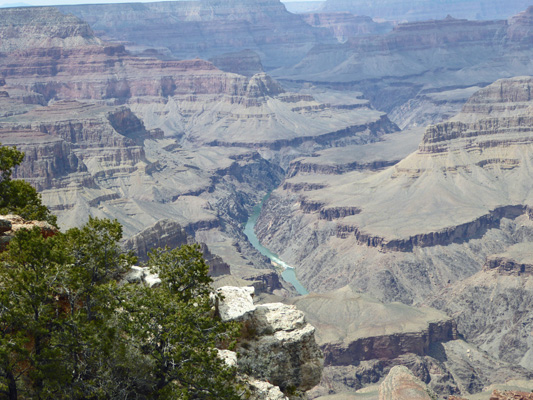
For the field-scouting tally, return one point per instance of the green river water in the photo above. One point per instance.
(288, 274)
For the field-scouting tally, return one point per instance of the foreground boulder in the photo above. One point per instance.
(278, 345)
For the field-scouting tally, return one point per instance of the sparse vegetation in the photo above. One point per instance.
(69, 330)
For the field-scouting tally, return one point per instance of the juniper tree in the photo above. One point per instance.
(18, 196)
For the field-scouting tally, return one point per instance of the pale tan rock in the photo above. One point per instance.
(16, 223)
(261, 390)
(401, 384)
(229, 357)
(236, 303)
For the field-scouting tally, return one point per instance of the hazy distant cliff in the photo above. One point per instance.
(429, 9)
(205, 28)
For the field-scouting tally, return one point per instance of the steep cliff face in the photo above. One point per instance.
(364, 339)
(175, 149)
(191, 98)
(352, 327)
(520, 27)
(24, 28)
(168, 233)
(245, 62)
(344, 25)
(357, 58)
(74, 142)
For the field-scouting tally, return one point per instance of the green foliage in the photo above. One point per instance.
(175, 327)
(183, 272)
(69, 331)
(16, 196)
(30, 269)
(10, 157)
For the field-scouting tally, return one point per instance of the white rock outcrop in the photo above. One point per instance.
(235, 303)
(141, 275)
(278, 347)
(261, 390)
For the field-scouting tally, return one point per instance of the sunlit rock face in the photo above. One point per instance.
(277, 345)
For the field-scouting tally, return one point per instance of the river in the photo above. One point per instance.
(288, 274)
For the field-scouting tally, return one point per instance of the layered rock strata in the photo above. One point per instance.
(364, 339)
(205, 28)
(142, 139)
(453, 58)
(22, 28)
(352, 327)
(446, 206)
(344, 25)
(424, 9)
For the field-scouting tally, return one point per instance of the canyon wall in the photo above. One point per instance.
(422, 217)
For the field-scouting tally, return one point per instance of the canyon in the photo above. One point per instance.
(110, 134)
(396, 158)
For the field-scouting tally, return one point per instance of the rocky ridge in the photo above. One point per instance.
(352, 327)
(344, 25)
(378, 64)
(426, 10)
(363, 340)
(491, 307)
(21, 29)
(400, 383)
